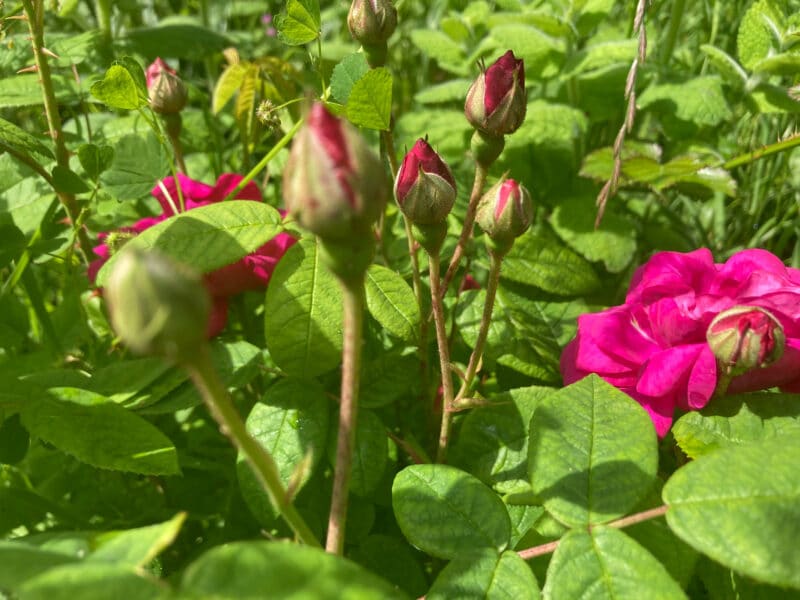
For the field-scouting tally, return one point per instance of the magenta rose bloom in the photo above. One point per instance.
(654, 346)
(250, 273)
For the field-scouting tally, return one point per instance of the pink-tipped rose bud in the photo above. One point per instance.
(425, 188)
(157, 306)
(743, 338)
(371, 21)
(497, 101)
(505, 211)
(167, 92)
(333, 183)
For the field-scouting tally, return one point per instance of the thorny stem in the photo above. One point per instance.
(219, 403)
(646, 515)
(486, 319)
(477, 187)
(34, 11)
(444, 357)
(348, 412)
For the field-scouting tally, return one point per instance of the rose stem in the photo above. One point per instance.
(216, 396)
(34, 11)
(477, 187)
(488, 306)
(444, 356)
(353, 291)
(639, 517)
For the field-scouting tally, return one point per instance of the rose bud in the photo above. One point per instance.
(505, 212)
(167, 92)
(425, 188)
(743, 338)
(333, 183)
(371, 21)
(157, 306)
(497, 100)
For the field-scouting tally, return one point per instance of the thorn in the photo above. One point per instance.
(16, 18)
(50, 53)
(31, 69)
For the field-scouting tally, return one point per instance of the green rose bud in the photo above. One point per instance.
(505, 212)
(158, 306)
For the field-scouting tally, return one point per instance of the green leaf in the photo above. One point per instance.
(735, 420)
(303, 313)
(486, 574)
(14, 440)
(208, 237)
(19, 141)
(228, 83)
(523, 517)
(755, 38)
(370, 101)
(370, 455)
(99, 433)
(20, 561)
(90, 582)
(392, 302)
(450, 91)
(67, 181)
(384, 378)
(139, 162)
(395, 560)
(441, 48)
(613, 243)
(699, 100)
(291, 423)
(95, 159)
(786, 63)
(300, 23)
(543, 54)
(748, 517)
(119, 88)
(26, 90)
(606, 563)
(278, 570)
(136, 547)
(447, 130)
(597, 56)
(544, 262)
(493, 441)
(345, 75)
(593, 453)
(179, 37)
(727, 66)
(443, 511)
(237, 363)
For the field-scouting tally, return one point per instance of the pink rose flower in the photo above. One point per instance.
(654, 346)
(250, 273)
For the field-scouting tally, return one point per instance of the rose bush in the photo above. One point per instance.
(250, 273)
(654, 346)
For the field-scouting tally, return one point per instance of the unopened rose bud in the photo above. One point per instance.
(505, 212)
(157, 306)
(371, 21)
(743, 338)
(167, 92)
(497, 101)
(333, 183)
(425, 188)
